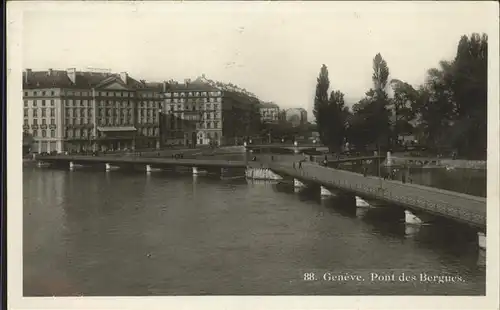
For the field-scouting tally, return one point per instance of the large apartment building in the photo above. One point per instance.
(198, 113)
(193, 114)
(269, 112)
(85, 110)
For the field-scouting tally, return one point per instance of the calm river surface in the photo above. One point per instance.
(94, 233)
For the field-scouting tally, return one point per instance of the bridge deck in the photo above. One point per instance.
(144, 161)
(461, 207)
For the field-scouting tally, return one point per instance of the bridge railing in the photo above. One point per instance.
(390, 191)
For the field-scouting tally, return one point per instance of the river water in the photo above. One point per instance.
(97, 233)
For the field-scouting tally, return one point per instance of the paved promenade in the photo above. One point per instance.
(461, 207)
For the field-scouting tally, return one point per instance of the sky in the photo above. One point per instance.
(274, 50)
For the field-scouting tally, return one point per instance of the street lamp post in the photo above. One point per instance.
(160, 129)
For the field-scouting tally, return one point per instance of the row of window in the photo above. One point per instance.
(201, 100)
(85, 133)
(190, 94)
(35, 103)
(203, 125)
(43, 112)
(208, 106)
(43, 133)
(44, 121)
(125, 94)
(209, 135)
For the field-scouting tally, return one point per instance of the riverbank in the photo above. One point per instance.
(440, 162)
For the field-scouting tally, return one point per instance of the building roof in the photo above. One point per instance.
(196, 85)
(83, 79)
(269, 105)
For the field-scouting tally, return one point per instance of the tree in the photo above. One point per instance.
(370, 122)
(405, 98)
(320, 110)
(470, 94)
(337, 117)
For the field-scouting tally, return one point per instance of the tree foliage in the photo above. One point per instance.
(330, 112)
(321, 103)
(370, 123)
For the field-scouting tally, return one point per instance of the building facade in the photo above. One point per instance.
(88, 111)
(269, 112)
(193, 114)
(296, 116)
(197, 113)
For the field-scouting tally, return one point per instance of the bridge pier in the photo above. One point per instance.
(481, 240)
(298, 185)
(197, 171)
(325, 192)
(109, 167)
(413, 219)
(149, 169)
(361, 203)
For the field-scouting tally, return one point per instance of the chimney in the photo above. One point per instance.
(50, 72)
(123, 77)
(72, 75)
(26, 75)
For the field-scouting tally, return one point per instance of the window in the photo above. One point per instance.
(43, 112)
(52, 121)
(34, 103)
(25, 112)
(44, 121)
(35, 93)
(25, 103)
(215, 106)
(216, 124)
(35, 132)
(52, 112)
(43, 94)
(68, 114)
(52, 133)
(35, 112)
(26, 93)
(26, 122)
(52, 102)
(52, 93)
(43, 103)
(44, 133)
